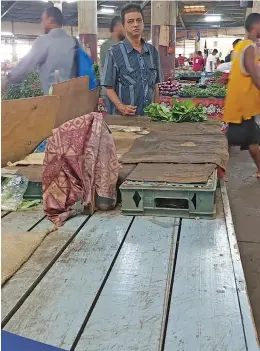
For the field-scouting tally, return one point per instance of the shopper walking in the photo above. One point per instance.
(242, 102)
(211, 62)
(198, 62)
(132, 68)
(54, 51)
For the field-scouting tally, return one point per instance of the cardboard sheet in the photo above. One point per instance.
(172, 173)
(76, 99)
(25, 124)
(163, 147)
(36, 158)
(16, 249)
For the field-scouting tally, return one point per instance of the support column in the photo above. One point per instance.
(256, 6)
(87, 26)
(14, 51)
(164, 15)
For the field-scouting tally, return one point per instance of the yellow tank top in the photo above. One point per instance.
(243, 97)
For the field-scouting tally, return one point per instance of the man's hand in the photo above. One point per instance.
(126, 110)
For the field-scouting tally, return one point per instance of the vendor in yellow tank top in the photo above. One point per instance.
(243, 96)
(242, 101)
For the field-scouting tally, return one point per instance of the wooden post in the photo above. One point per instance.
(164, 33)
(87, 26)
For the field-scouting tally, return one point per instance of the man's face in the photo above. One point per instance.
(134, 24)
(257, 29)
(120, 31)
(46, 23)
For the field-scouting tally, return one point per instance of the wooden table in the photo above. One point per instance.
(110, 282)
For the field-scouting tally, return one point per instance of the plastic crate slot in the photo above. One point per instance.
(182, 204)
(137, 198)
(194, 200)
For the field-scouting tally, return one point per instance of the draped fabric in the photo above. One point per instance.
(80, 164)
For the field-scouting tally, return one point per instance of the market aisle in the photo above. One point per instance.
(244, 196)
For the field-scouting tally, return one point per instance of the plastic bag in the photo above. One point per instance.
(13, 190)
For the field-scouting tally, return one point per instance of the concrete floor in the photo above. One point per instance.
(244, 196)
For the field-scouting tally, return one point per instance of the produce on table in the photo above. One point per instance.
(169, 88)
(180, 112)
(30, 87)
(214, 90)
(96, 69)
(217, 74)
(187, 73)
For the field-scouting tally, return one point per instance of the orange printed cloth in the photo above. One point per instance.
(80, 164)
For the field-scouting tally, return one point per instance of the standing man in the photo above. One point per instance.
(54, 51)
(228, 57)
(242, 102)
(198, 62)
(211, 62)
(181, 60)
(117, 34)
(132, 68)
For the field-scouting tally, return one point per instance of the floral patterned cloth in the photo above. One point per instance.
(80, 164)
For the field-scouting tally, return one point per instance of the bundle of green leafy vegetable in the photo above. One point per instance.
(215, 90)
(96, 70)
(30, 87)
(217, 74)
(180, 112)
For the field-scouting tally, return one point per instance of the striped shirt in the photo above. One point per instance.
(132, 75)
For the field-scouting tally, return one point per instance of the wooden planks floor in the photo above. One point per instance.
(110, 282)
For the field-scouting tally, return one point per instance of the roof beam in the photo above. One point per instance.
(7, 8)
(144, 4)
(180, 17)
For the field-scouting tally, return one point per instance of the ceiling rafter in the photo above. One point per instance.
(7, 8)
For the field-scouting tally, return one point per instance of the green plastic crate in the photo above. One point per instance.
(170, 199)
(34, 191)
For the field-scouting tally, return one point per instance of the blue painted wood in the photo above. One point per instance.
(20, 222)
(204, 311)
(130, 311)
(56, 309)
(17, 286)
(245, 307)
(12, 342)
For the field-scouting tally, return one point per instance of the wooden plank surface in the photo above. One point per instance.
(4, 213)
(21, 221)
(210, 127)
(129, 312)
(204, 311)
(19, 284)
(56, 309)
(245, 306)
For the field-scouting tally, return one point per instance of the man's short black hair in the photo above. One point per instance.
(114, 22)
(235, 42)
(251, 20)
(199, 53)
(215, 50)
(56, 14)
(131, 7)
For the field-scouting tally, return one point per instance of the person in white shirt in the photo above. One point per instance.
(211, 62)
(226, 66)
